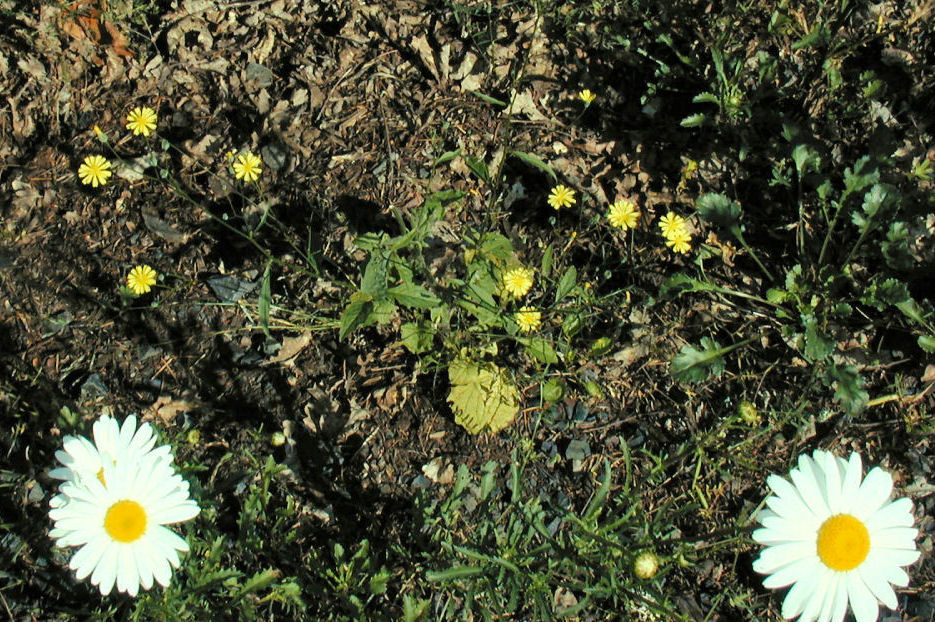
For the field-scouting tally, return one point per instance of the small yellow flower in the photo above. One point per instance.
(95, 170)
(97, 131)
(141, 279)
(671, 224)
(518, 281)
(142, 121)
(561, 196)
(623, 214)
(680, 241)
(587, 97)
(528, 319)
(247, 167)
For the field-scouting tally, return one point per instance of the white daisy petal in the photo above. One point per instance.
(863, 603)
(823, 585)
(839, 608)
(832, 481)
(775, 557)
(807, 485)
(831, 597)
(895, 538)
(787, 575)
(877, 584)
(128, 579)
(873, 493)
(896, 557)
(851, 482)
(788, 499)
(797, 597)
(893, 574)
(895, 514)
(105, 573)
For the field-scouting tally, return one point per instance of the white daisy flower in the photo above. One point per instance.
(835, 539)
(112, 443)
(119, 527)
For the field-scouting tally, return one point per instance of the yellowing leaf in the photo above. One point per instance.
(482, 396)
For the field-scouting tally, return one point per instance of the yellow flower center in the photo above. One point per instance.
(125, 521)
(843, 542)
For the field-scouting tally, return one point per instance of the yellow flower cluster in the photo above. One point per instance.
(675, 231)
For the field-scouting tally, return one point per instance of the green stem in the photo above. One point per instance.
(737, 234)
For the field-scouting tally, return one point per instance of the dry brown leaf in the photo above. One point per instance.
(168, 408)
(291, 347)
(929, 375)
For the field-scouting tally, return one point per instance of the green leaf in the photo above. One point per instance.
(566, 284)
(482, 396)
(446, 157)
(414, 296)
(552, 390)
(697, 365)
(263, 302)
(706, 98)
(497, 247)
(927, 343)
(817, 346)
(806, 159)
(453, 573)
(718, 210)
(849, 388)
(597, 502)
(489, 99)
(535, 162)
(478, 168)
(374, 281)
(417, 337)
(679, 284)
(547, 258)
(693, 120)
(540, 349)
(358, 312)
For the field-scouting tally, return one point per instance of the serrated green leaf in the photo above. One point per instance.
(848, 388)
(806, 159)
(706, 98)
(482, 396)
(694, 120)
(692, 364)
(536, 162)
(817, 346)
(413, 296)
(566, 284)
